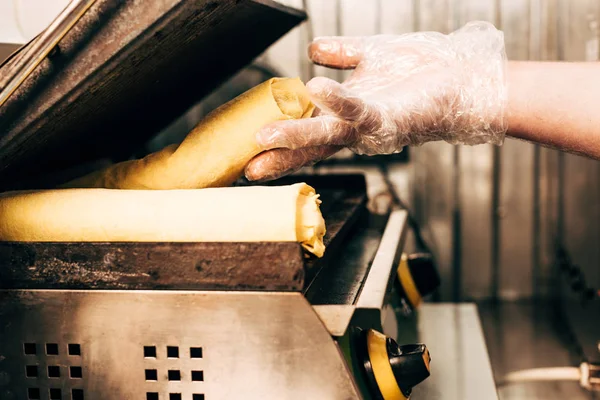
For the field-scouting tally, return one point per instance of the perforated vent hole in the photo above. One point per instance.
(174, 396)
(33, 393)
(150, 351)
(74, 349)
(172, 352)
(151, 396)
(197, 376)
(195, 352)
(77, 394)
(31, 371)
(151, 375)
(53, 371)
(174, 375)
(76, 372)
(55, 394)
(52, 349)
(197, 396)
(30, 349)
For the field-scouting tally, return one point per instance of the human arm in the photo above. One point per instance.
(555, 104)
(415, 88)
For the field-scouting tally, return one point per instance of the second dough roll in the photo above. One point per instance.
(237, 214)
(217, 150)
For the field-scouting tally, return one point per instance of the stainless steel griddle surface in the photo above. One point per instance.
(192, 266)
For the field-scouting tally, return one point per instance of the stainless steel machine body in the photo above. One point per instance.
(167, 345)
(173, 344)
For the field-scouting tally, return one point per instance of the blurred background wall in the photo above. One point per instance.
(495, 216)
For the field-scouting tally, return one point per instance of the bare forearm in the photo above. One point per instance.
(556, 104)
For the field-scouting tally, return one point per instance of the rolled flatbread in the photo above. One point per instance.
(234, 214)
(217, 150)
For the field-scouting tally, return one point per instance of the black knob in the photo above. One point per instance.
(417, 277)
(410, 363)
(391, 371)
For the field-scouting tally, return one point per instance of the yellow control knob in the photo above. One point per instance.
(390, 370)
(417, 277)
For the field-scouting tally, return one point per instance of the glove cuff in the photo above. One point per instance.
(481, 55)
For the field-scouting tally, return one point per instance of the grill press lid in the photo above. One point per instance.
(124, 71)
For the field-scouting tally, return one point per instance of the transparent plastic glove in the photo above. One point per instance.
(404, 90)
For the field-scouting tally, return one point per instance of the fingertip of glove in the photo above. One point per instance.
(263, 167)
(251, 172)
(335, 51)
(321, 86)
(258, 174)
(321, 45)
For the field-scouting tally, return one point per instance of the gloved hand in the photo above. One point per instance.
(404, 90)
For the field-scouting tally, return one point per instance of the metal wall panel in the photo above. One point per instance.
(581, 184)
(396, 17)
(358, 18)
(546, 162)
(516, 183)
(287, 55)
(323, 19)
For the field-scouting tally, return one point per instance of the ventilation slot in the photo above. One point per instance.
(55, 394)
(149, 351)
(172, 352)
(151, 375)
(31, 371)
(76, 372)
(74, 349)
(197, 376)
(30, 349)
(195, 352)
(33, 393)
(174, 375)
(53, 371)
(52, 349)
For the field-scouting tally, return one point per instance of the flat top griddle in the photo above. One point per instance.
(190, 266)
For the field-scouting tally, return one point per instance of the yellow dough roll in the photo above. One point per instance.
(236, 214)
(217, 150)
